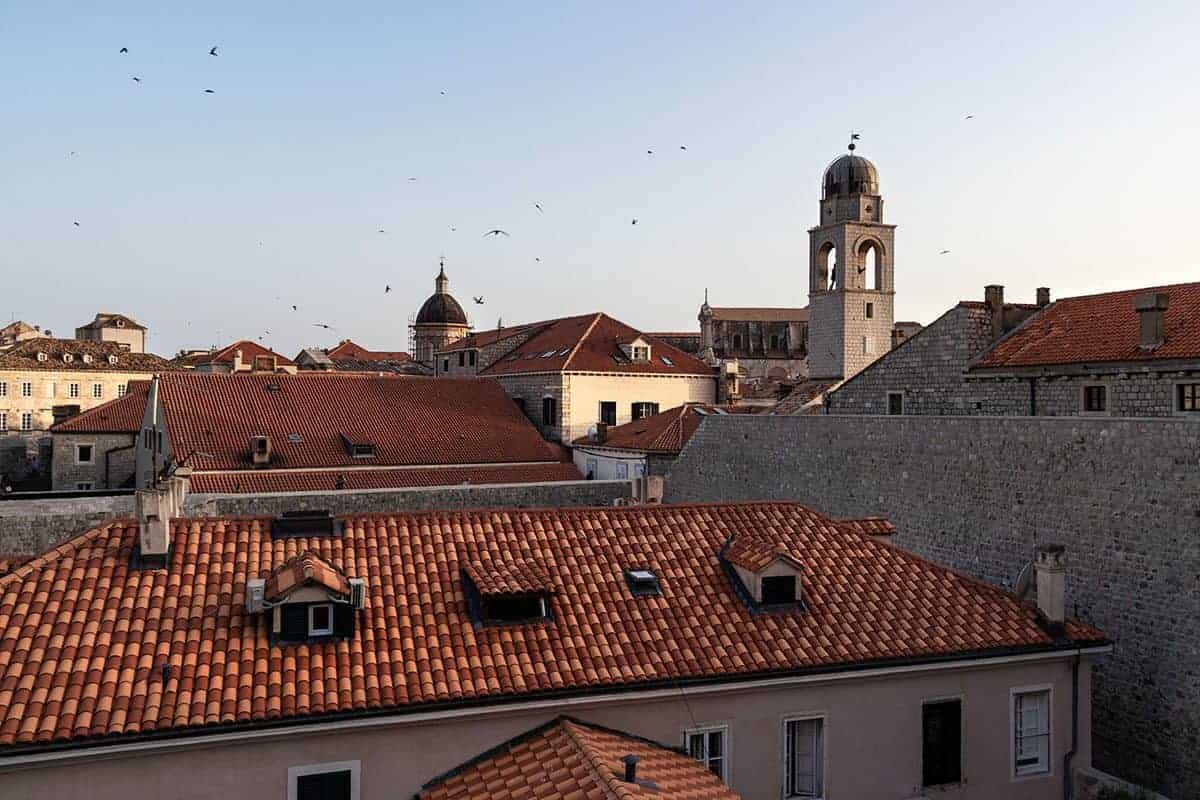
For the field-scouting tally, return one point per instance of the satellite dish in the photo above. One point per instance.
(1024, 582)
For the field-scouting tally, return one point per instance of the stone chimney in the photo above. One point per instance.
(648, 489)
(1043, 296)
(1050, 570)
(237, 361)
(993, 296)
(155, 508)
(601, 432)
(1151, 308)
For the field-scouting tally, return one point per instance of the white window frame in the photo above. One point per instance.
(783, 761)
(1108, 399)
(92, 445)
(1015, 772)
(3, 388)
(640, 353)
(622, 470)
(27, 421)
(1176, 405)
(3, 421)
(726, 740)
(314, 631)
(887, 403)
(122, 389)
(355, 768)
(97, 390)
(73, 390)
(49, 388)
(26, 388)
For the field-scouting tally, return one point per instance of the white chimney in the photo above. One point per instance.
(1050, 568)
(155, 507)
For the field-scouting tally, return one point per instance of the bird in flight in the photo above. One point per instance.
(452, 228)
(260, 245)
(496, 232)
(539, 208)
(136, 79)
(209, 91)
(76, 223)
(123, 50)
(855, 137)
(381, 230)
(412, 179)
(478, 300)
(323, 325)
(295, 309)
(683, 147)
(443, 91)
(538, 260)
(71, 154)
(943, 252)
(634, 221)
(387, 288)
(213, 52)
(969, 116)
(649, 152)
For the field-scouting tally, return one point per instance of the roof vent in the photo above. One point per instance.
(357, 449)
(630, 761)
(358, 593)
(87, 358)
(112, 359)
(643, 582)
(68, 358)
(272, 387)
(305, 523)
(254, 596)
(1151, 308)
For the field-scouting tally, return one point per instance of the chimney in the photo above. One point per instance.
(1043, 296)
(237, 361)
(993, 296)
(155, 508)
(1151, 307)
(260, 451)
(1050, 570)
(601, 432)
(630, 762)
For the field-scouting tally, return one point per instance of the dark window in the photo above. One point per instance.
(737, 341)
(364, 451)
(608, 412)
(1095, 398)
(471, 358)
(303, 621)
(513, 608)
(462, 358)
(895, 403)
(941, 743)
(324, 786)
(320, 619)
(778, 589)
(446, 364)
(774, 342)
(870, 310)
(708, 747)
(642, 582)
(1189, 397)
(294, 627)
(640, 410)
(520, 401)
(84, 454)
(549, 411)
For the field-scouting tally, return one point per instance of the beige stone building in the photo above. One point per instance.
(571, 374)
(18, 331)
(97, 450)
(237, 358)
(108, 327)
(47, 380)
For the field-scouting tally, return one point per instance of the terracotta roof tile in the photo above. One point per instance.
(508, 575)
(572, 759)
(250, 351)
(865, 603)
(1100, 328)
(251, 481)
(665, 432)
(305, 569)
(349, 350)
(591, 343)
(754, 553)
(123, 415)
(869, 526)
(24, 356)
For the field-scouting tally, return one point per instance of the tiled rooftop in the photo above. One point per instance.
(305, 568)
(85, 635)
(350, 350)
(250, 350)
(325, 480)
(123, 415)
(24, 356)
(1100, 328)
(665, 432)
(575, 760)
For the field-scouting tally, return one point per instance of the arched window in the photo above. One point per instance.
(869, 260)
(826, 277)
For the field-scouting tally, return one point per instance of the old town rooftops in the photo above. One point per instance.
(87, 634)
(76, 355)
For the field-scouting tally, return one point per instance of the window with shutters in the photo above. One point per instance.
(320, 619)
(1031, 731)
(941, 742)
(301, 622)
(640, 410)
(804, 758)
(27, 421)
(122, 390)
(1095, 399)
(73, 390)
(710, 746)
(1189, 397)
(334, 781)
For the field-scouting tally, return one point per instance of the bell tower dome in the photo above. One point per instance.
(851, 284)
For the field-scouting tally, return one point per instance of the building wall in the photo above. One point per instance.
(873, 722)
(132, 338)
(1135, 392)
(428, 339)
(66, 474)
(584, 392)
(528, 391)
(978, 494)
(605, 464)
(52, 388)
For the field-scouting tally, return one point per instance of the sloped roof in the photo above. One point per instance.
(506, 575)
(755, 553)
(865, 603)
(1100, 328)
(410, 421)
(665, 432)
(106, 319)
(568, 758)
(484, 338)
(869, 526)
(348, 349)
(24, 356)
(300, 570)
(250, 481)
(123, 415)
(591, 343)
(405, 366)
(250, 350)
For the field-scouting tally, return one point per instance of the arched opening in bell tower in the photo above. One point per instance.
(827, 277)
(870, 264)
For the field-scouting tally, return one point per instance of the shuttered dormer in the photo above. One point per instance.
(765, 575)
(307, 599)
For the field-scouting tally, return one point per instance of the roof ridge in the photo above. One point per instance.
(579, 342)
(592, 760)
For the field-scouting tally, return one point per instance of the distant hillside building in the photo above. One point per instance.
(108, 327)
(440, 322)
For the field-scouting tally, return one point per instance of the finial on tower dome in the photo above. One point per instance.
(853, 138)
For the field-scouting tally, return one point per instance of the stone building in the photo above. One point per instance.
(768, 343)
(572, 373)
(440, 322)
(19, 331)
(96, 450)
(237, 358)
(1128, 353)
(351, 357)
(109, 327)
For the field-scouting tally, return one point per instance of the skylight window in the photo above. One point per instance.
(548, 353)
(667, 361)
(643, 582)
(295, 438)
(564, 351)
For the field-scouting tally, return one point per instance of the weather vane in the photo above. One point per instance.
(854, 137)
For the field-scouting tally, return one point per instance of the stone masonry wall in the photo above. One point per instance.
(978, 494)
(67, 474)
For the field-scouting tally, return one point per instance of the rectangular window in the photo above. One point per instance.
(549, 411)
(514, 608)
(3, 389)
(3, 421)
(320, 619)
(622, 470)
(641, 354)
(446, 364)
(1095, 398)
(590, 473)
(640, 410)
(1031, 732)
(778, 589)
(709, 747)
(1189, 396)
(608, 412)
(27, 389)
(84, 486)
(97, 390)
(462, 358)
(868, 345)
(122, 390)
(804, 758)
(471, 358)
(870, 310)
(941, 742)
(27, 421)
(895, 403)
(84, 454)
(774, 342)
(73, 390)
(336, 781)
(49, 387)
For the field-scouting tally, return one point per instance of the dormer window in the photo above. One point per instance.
(766, 575)
(43, 357)
(307, 599)
(357, 448)
(112, 359)
(506, 593)
(320, 619)
(120, 323)
(641, 353)
(68, 358)
(87, 358)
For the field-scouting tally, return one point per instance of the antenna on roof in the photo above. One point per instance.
(854, 137)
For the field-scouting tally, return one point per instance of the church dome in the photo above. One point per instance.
(441, 309)
(850, 174)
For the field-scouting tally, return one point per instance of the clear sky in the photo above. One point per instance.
(1075, 172)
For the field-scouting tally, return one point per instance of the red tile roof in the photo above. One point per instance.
(123, 415)
(1100, 328)
(349, 350)
(590, 343)
(665, 432)
(251, 481)
(484, 338)
(85, 635)
(250, 350)
(567, 758)
(410, 421)
(753, 553)
(869, 526)
(306, 569)
(506, 575)
(24, 356)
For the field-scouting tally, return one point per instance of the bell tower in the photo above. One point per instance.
(850, 278)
